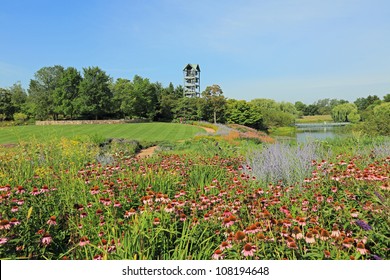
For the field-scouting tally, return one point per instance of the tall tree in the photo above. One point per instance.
(18, 97)
(6, 108)
(42, 91)
(213, 103)
(67, 92)
(95, 93)
(346, 112)
(365, 105)
(188, 108)
(242, 112)
(122, 89)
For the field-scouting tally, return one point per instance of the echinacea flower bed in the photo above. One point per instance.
(59, 202)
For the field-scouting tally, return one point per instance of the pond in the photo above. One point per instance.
(303, 135)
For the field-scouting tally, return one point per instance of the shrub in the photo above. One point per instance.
(20, 118)
(281, 162)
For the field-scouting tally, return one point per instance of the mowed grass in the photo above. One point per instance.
(315, 119)
(141, 131)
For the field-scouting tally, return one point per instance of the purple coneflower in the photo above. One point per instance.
(225, 245)
(3, 240)
(218, 255)
(361, 248)
(46, 239)
(248, 250)
(84, 241)
(52, 221)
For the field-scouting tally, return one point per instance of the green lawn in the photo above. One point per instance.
(315, 119)
(139, 131)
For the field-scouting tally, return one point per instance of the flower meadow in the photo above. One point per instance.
(200, 199)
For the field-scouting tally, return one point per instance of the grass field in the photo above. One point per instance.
(140, 131)
(315, 119)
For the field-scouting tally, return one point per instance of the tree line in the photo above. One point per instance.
(57, 93)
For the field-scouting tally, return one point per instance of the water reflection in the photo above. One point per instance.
(304, 135)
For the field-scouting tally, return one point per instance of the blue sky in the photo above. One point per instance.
(286, 50)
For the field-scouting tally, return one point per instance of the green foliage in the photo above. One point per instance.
(67, 93)
(363, 103)
(377, 123)
(213, 104)
(41, 92)
(242, 112)
(18, 97)
(346, 112)
(6, 108)
(20, 118)
(95, 94)
(188, 109)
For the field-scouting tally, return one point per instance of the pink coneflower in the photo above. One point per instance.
(195, 221)
(227, 222)
(183, 217)
(46, 239)
(14, 222)
(35, 191)
(83, 215)
(117, 204)
(94, 190)
(84, 241)
(292, 245)
(301, 221)
(45, 189)
(309, 238)
(3, 240)
(169, 208)
(333, 189)
(130, 213)
(20, 190)
(239, 236)
(98, 257)
(347, 242)
(326, 254)
(248, 250)
(324, 235)
(4, 224)
(354, 213)
(156, 221)
(251, 229)
(361, 248)
(335, 232)
(297, 233)
(106, 201)
(225, 245)
(14, 209)
(52, 221)
(5, 188)
(218, 255)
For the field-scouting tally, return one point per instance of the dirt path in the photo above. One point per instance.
(208, 129)
(146, 152)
